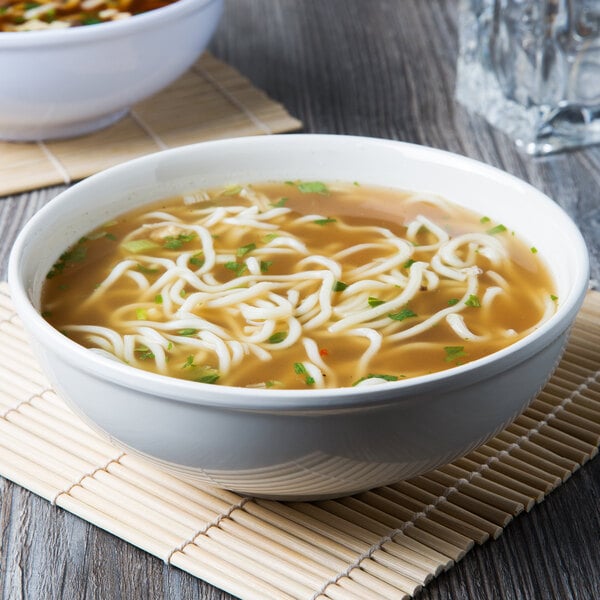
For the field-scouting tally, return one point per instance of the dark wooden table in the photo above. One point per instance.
(382, 68)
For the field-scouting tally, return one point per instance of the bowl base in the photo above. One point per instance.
(38, 133)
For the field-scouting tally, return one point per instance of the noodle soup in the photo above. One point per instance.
(298, 285)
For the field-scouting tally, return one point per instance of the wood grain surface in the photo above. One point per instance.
(382, 68)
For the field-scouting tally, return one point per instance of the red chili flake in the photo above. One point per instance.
(323, 352)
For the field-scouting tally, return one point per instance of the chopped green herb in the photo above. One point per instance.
(312, 187)
(373, 302)
(197, 260)
(270, 237)
(143, 353)
(553, 297)
(209, 375)
(141, 314)
(91, 20)
(408, 263)
(473, 301)
(533, 250)
(280, 203)
(265, 265)
(46, 314)
(139, 246)
(158, 299)
(236, 267)
(278, 337)
(356, 183)
(405, 313)
(174, 243)
(324, 221)
(453, 301)
(110, 236)
(170, 346)
(74, 255)
(189, 362)
(299, 368)
(309, 380)
(339, 286)
(497, 229)
(146, 270)
(454, 352)
(376, 376)
(182, 293)
(187, 331)
(484, 220)
(243, 250)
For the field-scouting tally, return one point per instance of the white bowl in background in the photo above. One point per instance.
(300, 444)
(67, 82)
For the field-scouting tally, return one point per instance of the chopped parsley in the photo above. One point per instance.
(265, 265)
(144, 353)
(243, 250)
(76, 254)
(312, 187)
(236, 267)
(210, 377)
(405, 313)
(197, 260)
(176, 242)
(454, 352)
(189, 362)
(453, 301)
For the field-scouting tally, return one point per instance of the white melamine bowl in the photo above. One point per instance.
(67, 82)
(300, 443)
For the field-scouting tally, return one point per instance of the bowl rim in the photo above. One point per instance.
(27, 40)
(251, 399)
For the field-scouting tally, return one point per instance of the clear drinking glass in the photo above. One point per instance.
(532, 69)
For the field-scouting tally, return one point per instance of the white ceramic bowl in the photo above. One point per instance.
(67, 82)
(300, 443)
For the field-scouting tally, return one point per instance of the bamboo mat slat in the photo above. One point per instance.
(212, 100)
(384, 543)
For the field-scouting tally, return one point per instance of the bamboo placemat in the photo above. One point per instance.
(386, 543)
(212, 100)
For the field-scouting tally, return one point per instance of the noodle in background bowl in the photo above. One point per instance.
(68, 82)
(315, 443)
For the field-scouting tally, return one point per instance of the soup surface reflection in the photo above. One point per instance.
(298, 285)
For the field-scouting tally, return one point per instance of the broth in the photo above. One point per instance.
(298, 285)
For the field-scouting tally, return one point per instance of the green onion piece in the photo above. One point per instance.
(211, 378)
(533, 250)
(143, 353)
(278, 337)
(187, 331)
(146, 270)
(473, 301)
(408, 263)
(373, 302)
(189, 362)
(405, 313)
(553, 297)
(484, 220)
(139, 246)
(453, 301)
(243, 250)
(299, 368)
(454, 352)
(324, 221)
(265, 265)
(232, 190)
(309, 380)
(270, 237)
(312, 187)
(339, 286)
(158, 299)
(141, 314)
(497, 229)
